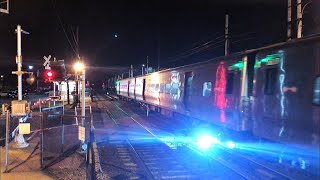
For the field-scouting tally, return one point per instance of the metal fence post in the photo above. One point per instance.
(39, 105)
(63, 106)
(76, 114)
(7, 138)
(41, 140)
(62, 134)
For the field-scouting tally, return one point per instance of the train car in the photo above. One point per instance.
(131, 86)
(210, 91)
(139, 88)
(273, 92)
(287, 91)
(123, 87)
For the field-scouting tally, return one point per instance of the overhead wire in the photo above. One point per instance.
(196, 48)
(61, 24)
(209, 46)
(74, 37)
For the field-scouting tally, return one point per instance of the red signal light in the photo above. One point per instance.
(49, 74)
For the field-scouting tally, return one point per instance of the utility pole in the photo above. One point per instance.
(147, 64)
(19, 62)
(131, 71)
(38, 80)
(142, 69)
(289, 20)
(226, 36)
(19, 139)
(158, 48)
(299, 19)
(83, 104)
(77, 43)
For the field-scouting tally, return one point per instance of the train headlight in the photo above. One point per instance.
(230, 144)
(206, 141)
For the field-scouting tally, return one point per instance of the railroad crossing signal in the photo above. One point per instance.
(46, 63)
(49, 75)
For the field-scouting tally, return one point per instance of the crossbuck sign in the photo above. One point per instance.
(46, 63)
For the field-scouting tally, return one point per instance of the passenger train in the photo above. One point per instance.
(273, 92)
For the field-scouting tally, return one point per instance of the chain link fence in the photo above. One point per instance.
(62, 135)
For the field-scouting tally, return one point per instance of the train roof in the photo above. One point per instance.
(250, 51)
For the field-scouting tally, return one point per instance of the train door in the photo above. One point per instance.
(128, 92)
(188, 89)
(316, 108)
(143, 89)
(134, 88)
(276, 99)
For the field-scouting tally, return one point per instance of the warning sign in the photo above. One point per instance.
(24, 128)
(82, 133)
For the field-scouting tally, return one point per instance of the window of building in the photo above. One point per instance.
(230, 80)
(316, 91)
(270, 81)
(207, 88)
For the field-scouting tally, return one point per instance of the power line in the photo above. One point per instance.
(195, 48)
(195, 52)
(74, 37)
(209, 47)
(61, 24)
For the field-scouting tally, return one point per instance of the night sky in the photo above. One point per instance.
(165, 28)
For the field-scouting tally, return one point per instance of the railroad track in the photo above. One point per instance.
(156, 160)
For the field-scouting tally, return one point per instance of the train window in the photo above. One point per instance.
(316, 91)
(168, 87)
(270, 81)
(174, 88)
(162, 88)
(156, 89)
(230, 78)
(207, 88)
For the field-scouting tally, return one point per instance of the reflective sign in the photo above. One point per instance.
(82, 133)
(24, 128)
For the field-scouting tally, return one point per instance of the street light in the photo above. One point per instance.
(142, 69)
(79, 67)
(2, 76)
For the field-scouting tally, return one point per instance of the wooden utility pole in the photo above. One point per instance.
(299, 19)
(289, 20)
(226, 35)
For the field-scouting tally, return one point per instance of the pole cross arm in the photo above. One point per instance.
(23, 31)
(21, 72)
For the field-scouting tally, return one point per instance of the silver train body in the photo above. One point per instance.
(273, 92)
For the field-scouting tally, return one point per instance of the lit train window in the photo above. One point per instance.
(162, 88)
(230, 78)
(167, 89)
(270, 81)
(174, 88)
(207, 88)
(316, 91)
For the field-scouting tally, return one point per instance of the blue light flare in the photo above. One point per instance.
(206, 141)
(230, 144)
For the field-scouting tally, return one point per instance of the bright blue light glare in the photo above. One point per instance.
(230, 144)
(206, 141)
(30, 67)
